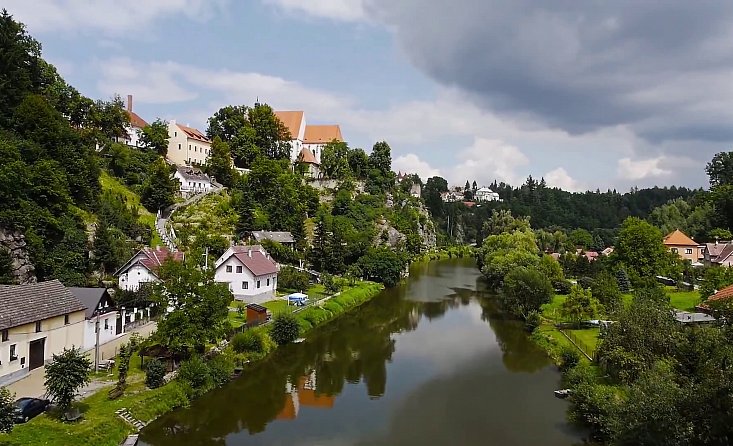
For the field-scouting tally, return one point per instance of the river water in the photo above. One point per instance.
(431, 362)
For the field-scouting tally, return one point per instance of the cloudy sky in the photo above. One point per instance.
(586, 94)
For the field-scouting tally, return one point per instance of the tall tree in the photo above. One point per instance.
(155, 137)
(271, 136)
(640, 251)
(160, 188)
(219, 163)
(432, 195)
(358, 163)
(335, 160)
(720, 169)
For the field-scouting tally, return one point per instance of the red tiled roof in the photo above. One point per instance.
(293, 120)
(306, 156)
(725, 293)
(193, 133)
(136, 120)
(322, 134)
(255, 259)
(678, 238)
(155, 257)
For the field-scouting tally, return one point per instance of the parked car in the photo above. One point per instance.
(27, 408)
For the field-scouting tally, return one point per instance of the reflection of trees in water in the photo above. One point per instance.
(351, 349)
(520, 353)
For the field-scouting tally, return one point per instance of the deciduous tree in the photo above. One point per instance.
(155, 137)
(65, 375)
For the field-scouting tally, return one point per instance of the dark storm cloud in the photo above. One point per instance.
(664, 68)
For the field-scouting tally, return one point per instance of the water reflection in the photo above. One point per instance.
(430, 337)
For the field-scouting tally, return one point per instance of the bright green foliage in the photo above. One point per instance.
(335, 160)
(501, 253)
(383, 265)
(7, 410)
(160, 188)
(285, 329)
(551, 268)
(196, 376)
(221, 367)
(715, 279)
(154, 374)
(503, 221)
(65, 375)
(580, 305)
(248, 341)
(292, 279)
(332, 285)
(199, 306)
(581, 238)
(219, 163)
(525, 290)
(605, 289)
(640, 251)
(154, 137)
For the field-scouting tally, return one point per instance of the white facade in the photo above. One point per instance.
(316, 149)
(243, 283)
(183, 149)
(107, 329)
(486, 194)
(191, 185)
(131, 279)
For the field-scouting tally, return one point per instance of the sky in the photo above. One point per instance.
(585, 94)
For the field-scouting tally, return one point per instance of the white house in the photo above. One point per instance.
(486, 194)
(186, 145)
(99, 310)
(294, 120)
(132, 138)
(37, 320)
(143, 267)
(250, 273)
(192, 180)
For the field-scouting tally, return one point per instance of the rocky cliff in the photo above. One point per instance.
(21, 267)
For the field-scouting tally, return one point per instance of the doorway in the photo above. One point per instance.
(36, 352)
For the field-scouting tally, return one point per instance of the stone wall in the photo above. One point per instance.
(22, 269)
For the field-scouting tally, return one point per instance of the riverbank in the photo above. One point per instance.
(100, 425)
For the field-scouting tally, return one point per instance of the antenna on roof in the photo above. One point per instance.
(257, 102)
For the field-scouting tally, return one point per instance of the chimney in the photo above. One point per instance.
(129, 102)
(249, 252)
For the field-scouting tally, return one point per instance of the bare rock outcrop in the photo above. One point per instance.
(21, 267)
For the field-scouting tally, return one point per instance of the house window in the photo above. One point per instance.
(258, 284)
(674, 250)
(245, 285)
(38, 326)
(239, 269)
(175, 133)
(268, 282)
(179, 147)
(66, 319)
(189, 147)
(229, 268)
(13, 353)
(106, 324)
(688, 251)
(6, 335)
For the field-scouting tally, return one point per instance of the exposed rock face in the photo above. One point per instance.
(426, 228)
(22, 269)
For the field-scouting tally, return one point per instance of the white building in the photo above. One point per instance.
(192, 180)
(99, 310)
(311, 137)
(294, 120)
(136, 125)
(250, 273)
(187, 146)
(317, 136)
(143, 267)
(37, 320)
(486, 194)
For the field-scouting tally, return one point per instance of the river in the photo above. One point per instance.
(431, 362)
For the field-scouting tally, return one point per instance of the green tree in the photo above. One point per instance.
(219, 163)
(285, 329)
(110, 248)
(335, 160)
(65, 375)
(270, 134)
(383, 265)
(622, 279)
(7, 410)
(720, 169)
(431, 194)
(160, 188)
(525, 290)
(580, 305)
(199, 306)
(358, 163)
(501, 253)
(502, 221)
(581, 238)
(605, 289)
(155, 137)
(640, 251)
(154, 374)
(380, 176)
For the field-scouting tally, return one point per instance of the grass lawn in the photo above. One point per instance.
(684, 300)
(108, 182)
(588, 336)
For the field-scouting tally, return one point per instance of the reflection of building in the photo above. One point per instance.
(305, 394)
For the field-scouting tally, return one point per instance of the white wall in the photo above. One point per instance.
(183, 150)
(133, 277)
(316, 149)
(192, 187)
(235, 280)
(105, 334)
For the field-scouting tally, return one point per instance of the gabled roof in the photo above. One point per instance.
(715, 249)
(280, 237)
(322, 134)
(293, 120)
(679, 238)
(192, 173)
(24, 304)
(90, 297)
(151, 259)
(136, 120)
(725, 293)
(307, 157)
(193, 133)
(724, 254)
(254, 258)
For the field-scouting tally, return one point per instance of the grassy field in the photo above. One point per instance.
(684, 300)
(147, 218)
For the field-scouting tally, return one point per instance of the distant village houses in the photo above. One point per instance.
(192, 180)
(144, 267)
(679, 243)
(132, 136)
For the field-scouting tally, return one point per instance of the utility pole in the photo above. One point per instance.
(206, 258)
(96, 346)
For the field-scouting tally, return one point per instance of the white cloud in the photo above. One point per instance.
(560, 178)
(106, 16)
(412, 163)
(487, 160)
(343, 10)
(640, 169)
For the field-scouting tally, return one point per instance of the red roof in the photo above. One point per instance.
(255, 259)
(306, 156)
(193, 133)
(725, 293)
(136, 120)
(155, 257)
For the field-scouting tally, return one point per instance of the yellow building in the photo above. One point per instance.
(679, 243)
(37, 320)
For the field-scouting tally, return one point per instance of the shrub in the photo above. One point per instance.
(332, 284)
(220, 369)
(195, 374)
(285, 329)
(248, 341)
(585, 282)
(292, 279)
(154, 374)
(562, 286)
(533, 320)
(315, 316)
(569, 358)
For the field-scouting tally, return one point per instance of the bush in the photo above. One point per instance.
(248, 341)
(562, 286)
(585, 282)
(332, 284)
(285, 329)
(154, 374)
(221, 368)
(195, 374)
(533, 320)
(292, 279)
(569, 358)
